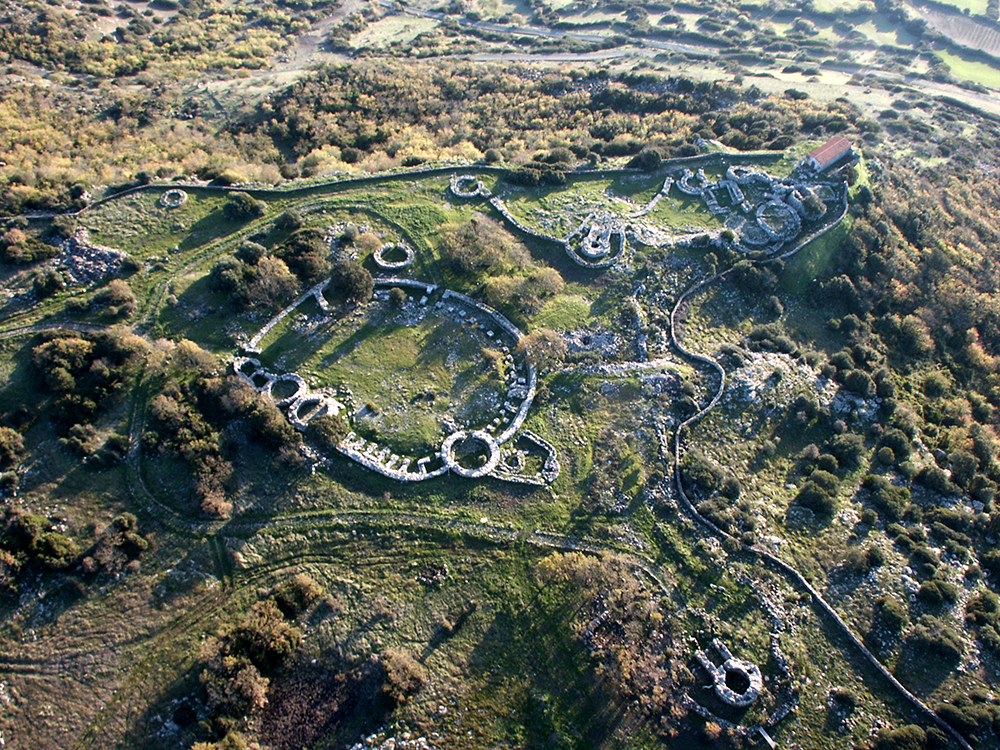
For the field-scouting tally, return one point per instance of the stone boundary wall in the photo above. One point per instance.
(713, 159)
(391, 281)
(316, 291)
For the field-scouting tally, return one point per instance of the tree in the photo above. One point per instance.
(306, 253)
(351, 282)
(481, 244)
(243, 207)
(273, 284)
(397, 296)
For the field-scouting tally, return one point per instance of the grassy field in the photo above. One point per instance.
(512, 669)
(970, 70)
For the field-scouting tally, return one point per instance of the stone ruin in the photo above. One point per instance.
(764, 212)
(467, 186)
(744, 671)
(85, 262)
(173, 198)
(378, 257)
(505, 458)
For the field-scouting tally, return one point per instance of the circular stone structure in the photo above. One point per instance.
(467, 186)
(747, 679)
(174, 198)
(452, 463)
(779, 220)
(393, 265)
(429, 388)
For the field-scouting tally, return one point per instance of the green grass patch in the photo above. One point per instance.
(565, 312)
(815, 260)
(970, 70)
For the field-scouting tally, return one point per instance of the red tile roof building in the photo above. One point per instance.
(830, 153)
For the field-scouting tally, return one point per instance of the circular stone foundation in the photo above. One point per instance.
(393, 265)
(779, 220)
(462, 442)
(174, 198)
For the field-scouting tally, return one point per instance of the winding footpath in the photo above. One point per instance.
(757, 551)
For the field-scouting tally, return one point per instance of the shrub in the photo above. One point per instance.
(327, 430)
(250, 252)
(827, 463)
(243, 207)
(935, 592)
(234, 686)
(543, 348)
(11, 446)
(403, 677)
(701, 472)
(932, 636)
(264, 637)
(294, 596)
(115, 300)
(890, 614)
(910, 737)
(848, 448)
(816, 498)
(351, 282)
(889, 499)
(305, 253)
(860, 382)
(289, 220)
(935, 479)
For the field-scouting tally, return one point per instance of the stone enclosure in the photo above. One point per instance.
(496, 446)
(764, 213)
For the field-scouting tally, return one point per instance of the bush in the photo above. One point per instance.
(403, 677)
(264, 637)
(816, 498)
(701, 472)
(848, 448)
(910, 737)
(351, 282)
(11, 446)
(250, 252)
(890, 614)
(935, 592)
(935, 479)
(885, 496)
(243, 207)
(115, 300)
(305, 253)
(327, 430)
(289, 220)
(932, 636)
(860, 382)
(294, 596)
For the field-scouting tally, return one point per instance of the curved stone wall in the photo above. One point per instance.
(303, 405)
